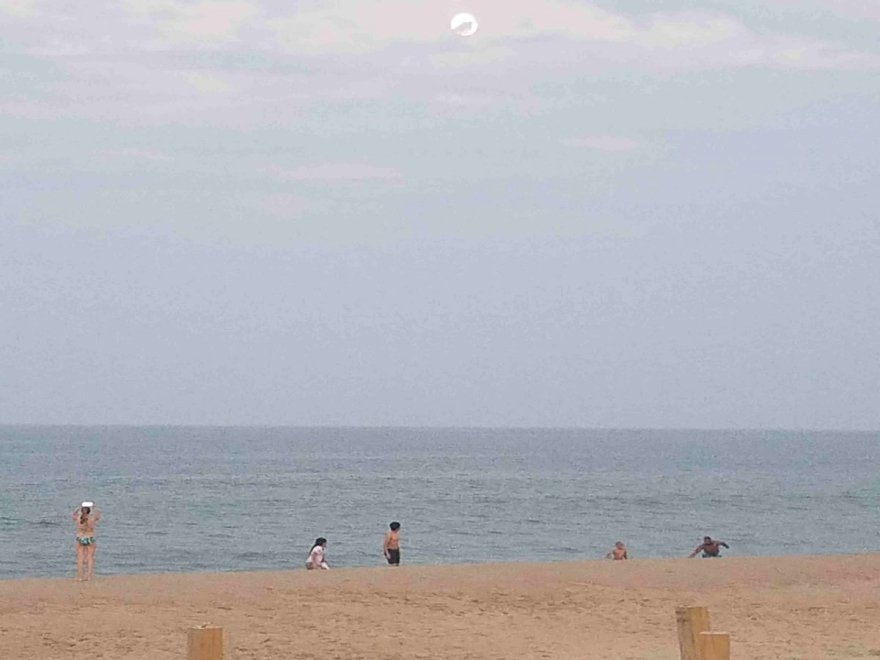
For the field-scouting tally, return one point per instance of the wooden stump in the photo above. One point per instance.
(205, 643)
(691, 621)
(714, 646)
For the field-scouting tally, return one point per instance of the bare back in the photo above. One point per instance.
(85, 525)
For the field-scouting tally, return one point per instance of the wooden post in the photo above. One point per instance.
(714, 646)
(205, 643)
(691, 621)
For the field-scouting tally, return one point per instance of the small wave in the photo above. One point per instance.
(7, 521)
(249, 555)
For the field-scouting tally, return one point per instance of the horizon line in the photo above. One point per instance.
(436, 427)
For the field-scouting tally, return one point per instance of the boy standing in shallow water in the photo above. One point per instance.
(391, 546)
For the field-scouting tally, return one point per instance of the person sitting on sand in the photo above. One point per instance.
(86, 517)
(618, 552)
(391, 546)
(709, 547)
(317, 558)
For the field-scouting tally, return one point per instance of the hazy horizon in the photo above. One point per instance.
(251, 212)
(448, 428)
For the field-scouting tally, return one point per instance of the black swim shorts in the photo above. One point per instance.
(394, 557)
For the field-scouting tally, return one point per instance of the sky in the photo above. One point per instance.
(590, 214)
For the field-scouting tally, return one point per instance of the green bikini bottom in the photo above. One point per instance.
(85, 540)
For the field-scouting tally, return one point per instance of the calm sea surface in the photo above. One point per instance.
(224, 499)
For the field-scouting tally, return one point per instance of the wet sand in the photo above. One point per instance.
(774, 608)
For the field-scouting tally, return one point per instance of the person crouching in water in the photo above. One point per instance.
(86, 518)
(317, 559)
(709, 547)
(618, 552)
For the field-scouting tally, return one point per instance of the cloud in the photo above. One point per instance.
(283, 206)
(856, 9)
(207, 83)
(242, 64)
(19, 8)
(335, 173)
(669, 40)
(675, 41)
(364, 26)
(132, 154)
(471, 57)
(813, 55)
(465, 100)
(359, 26)
(196, 23)
(604, 143)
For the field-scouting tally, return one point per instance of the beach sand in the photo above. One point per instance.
(779, 608)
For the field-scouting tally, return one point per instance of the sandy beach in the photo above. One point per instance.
(779, 608)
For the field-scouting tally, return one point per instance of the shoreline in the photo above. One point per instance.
(439, 565)
(809, 606)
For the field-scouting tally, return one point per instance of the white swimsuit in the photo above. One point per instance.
(316, 559)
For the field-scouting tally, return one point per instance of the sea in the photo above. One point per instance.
(177, 499)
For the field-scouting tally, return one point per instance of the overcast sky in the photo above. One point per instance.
(604, 214)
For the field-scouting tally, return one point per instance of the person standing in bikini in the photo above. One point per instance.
(86, 518)
(391, 546)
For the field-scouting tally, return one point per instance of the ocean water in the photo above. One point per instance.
(226, 499)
